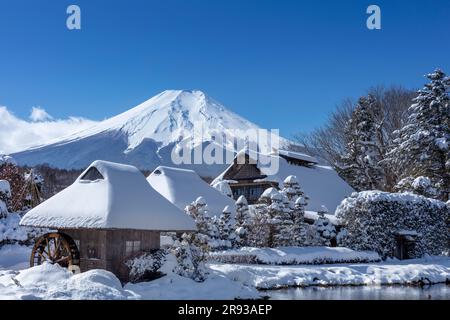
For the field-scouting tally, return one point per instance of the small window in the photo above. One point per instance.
(77, 242)
(132, 247)
(92, 174)
(92, 252)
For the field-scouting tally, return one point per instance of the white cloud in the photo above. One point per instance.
(38, 114)
(17, 134)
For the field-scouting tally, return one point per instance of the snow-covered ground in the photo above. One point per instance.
(225, 281)
(295, 255)
(429, 270)
(53, 282)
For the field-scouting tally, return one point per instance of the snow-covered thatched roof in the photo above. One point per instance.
(182, 187)
(296, 155)
(321, 184)
(109, 196)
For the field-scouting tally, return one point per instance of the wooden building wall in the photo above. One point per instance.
(106, 249)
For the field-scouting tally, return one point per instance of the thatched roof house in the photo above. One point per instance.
(251, 176)
(107, 215)
(181, 187)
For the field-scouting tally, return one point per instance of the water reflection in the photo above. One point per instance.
(435, 292)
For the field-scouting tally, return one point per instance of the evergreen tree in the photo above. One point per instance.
(292, 189)
(227, 227)
(191, 254)
(271, 206)
(422, 146)
(242, 222)
(360, 164)
(298, 217)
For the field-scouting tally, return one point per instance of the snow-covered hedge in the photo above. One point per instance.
(373, 219)
(293, 256)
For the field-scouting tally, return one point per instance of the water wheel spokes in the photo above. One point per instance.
(55, 247)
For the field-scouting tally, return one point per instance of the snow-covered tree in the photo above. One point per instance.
(271, 205)
(5, 197)
(198, 210)
(373, 220)
(191, 253)
(294, 229)
(298, 231)
(15, 176)
(422, 146)
(360, 164)
(259, 231)
(227, 227)
(243, 222)
(292, 190)
(420, 185)
(322, 231)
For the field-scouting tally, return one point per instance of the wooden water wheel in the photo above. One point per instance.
(55, 247)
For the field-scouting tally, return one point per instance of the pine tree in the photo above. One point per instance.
(292, 189)
(259, 232)
(271, 206)
(298, 217)
(242, 222)
(360, 164)
(198, 210)
(227, 227)
(422, 146)
(191, 254)
(294, 228)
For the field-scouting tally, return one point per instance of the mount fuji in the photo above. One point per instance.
(145, 135)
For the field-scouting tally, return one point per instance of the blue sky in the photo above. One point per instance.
(282, 64)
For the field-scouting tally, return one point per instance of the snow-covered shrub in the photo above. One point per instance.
(146, 266)
(373, 219)
(324, 230)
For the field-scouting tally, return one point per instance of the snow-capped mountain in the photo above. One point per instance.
(146, 134)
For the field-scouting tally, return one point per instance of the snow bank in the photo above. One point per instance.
(51, 282)
(428, 271)
(294, 255)
(174, 287)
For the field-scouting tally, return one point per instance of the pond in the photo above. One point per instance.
(434, 292)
